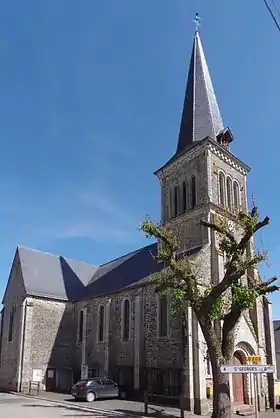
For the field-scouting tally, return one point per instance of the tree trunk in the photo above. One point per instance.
(185, 400)
(221, 396)
(221, 392)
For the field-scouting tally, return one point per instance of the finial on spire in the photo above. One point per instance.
(196, 20)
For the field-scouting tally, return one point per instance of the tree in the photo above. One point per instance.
(217, 306)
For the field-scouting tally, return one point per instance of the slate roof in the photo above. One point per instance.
(276, 325)
(201, 115)
(131, 269)
(52, 276)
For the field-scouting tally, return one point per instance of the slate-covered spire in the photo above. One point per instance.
(201, 115)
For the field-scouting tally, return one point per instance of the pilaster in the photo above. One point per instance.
(21, 345)
(26, 367)
(137, 339)
(84, 337)
(188, 390)
(201, 406)
(262, 352)
(270, 349)
(107, 339)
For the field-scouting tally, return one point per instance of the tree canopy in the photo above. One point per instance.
(223, 301)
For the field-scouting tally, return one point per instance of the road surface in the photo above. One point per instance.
(23, 407)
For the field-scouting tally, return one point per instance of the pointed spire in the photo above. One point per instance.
(201, 115)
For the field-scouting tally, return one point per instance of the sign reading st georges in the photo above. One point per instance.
(248, 368)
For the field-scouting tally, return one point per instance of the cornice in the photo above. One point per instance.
(228, 157)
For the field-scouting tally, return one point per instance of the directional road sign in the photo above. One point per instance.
(248, 368)
(254, 359)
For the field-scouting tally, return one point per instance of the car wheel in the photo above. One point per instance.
(91, 397)
(122, 394)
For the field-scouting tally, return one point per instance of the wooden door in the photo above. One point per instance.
(238, 383)
(51, 380)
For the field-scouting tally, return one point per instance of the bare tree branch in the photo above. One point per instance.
(268, 282)
(219, 229)
(268, 289)
(250, 232)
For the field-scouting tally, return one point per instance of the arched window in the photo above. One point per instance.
(222, 199)
(236, 195)
(11, 324)
(81, 325)
(229, 193)
(184, 197)
(163, 316)
(193, 192)
(126, 320)
(176, 206)
(101, 324)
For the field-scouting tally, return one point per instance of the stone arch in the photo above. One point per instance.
(238, 380)
(241, 383)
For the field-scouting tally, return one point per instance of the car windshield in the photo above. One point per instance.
(83, 382)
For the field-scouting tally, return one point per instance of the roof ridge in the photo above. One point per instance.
(125, 255)
(56, 255)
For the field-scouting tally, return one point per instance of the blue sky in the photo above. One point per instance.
(91, 94)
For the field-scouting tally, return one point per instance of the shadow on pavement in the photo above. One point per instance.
(95, 415)
(51, 406)
(152, 413)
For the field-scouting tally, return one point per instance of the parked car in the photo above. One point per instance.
(97, 388)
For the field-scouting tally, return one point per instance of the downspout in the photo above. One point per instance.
(21, 351)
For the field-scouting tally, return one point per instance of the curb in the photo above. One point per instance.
(75, 407)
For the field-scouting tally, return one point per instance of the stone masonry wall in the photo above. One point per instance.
(160, 352)
(48, 337)
(120, 352)
(166, 351)
(10, 350)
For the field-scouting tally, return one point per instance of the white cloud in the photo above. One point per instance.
(75, 212)
(101, 232)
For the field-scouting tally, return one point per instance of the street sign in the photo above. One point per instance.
(254, 359)
(248, 368)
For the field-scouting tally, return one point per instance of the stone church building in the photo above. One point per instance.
(59, 314)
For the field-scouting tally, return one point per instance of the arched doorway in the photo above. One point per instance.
(238, 383)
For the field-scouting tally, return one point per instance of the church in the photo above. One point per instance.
(63, 319)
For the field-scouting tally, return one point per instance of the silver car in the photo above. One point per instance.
(97, 388)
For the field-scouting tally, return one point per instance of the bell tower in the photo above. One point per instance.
(203, 173)
(200, 180)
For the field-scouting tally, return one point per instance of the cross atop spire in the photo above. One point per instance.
(201, 115)
(197, 21)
